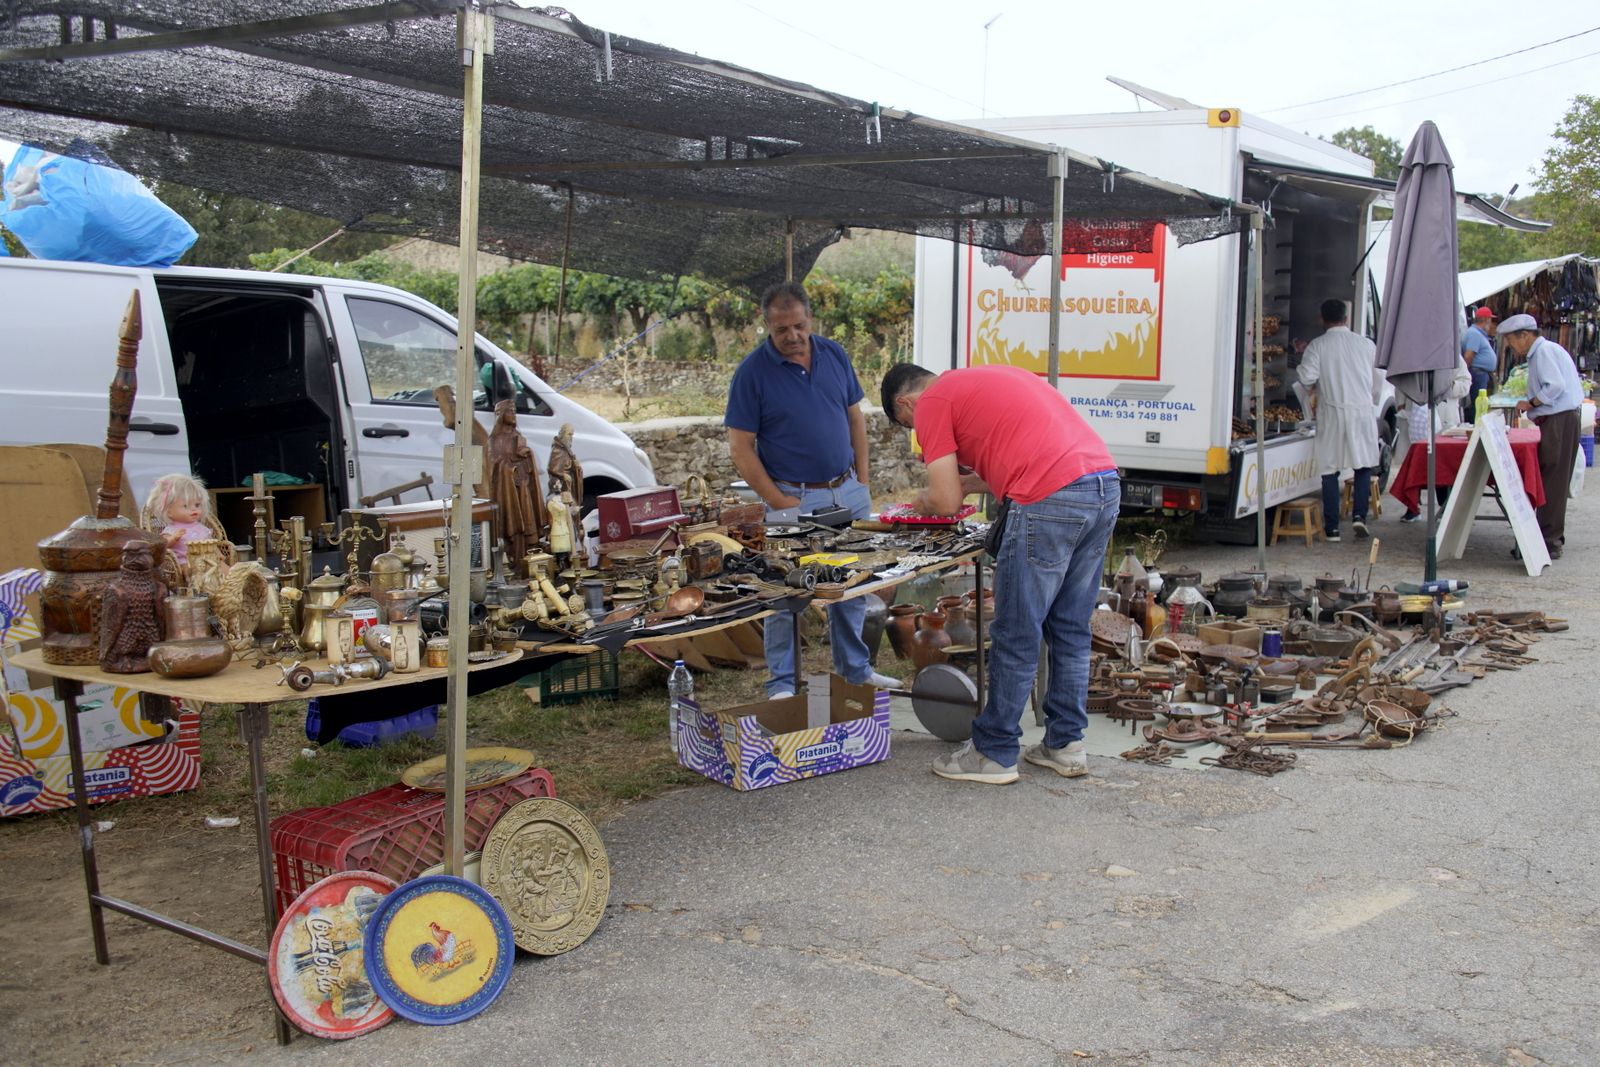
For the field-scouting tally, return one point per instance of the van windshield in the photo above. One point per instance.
(407, 355)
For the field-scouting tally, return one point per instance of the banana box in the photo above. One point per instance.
(151, 768)
(832, 726)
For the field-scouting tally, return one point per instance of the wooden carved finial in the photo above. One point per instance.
(124, 385)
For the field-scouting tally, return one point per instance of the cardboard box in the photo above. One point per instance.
(170, 764)
(108, 718)
(833, 726)
(1229, 632)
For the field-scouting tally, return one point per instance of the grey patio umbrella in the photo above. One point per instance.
(1419, 337)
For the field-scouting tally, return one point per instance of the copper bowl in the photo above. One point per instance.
(685, 601)
(1217, 655)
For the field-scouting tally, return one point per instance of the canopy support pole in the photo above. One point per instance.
(463, 462)
(955, 294)
(1253, 279)
(561, 292)
(1430, 559)
(1058, 164)
(788, 251)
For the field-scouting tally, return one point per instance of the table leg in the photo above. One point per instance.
(253, 727)
(794, 620)
(978, 627)
(68, 691)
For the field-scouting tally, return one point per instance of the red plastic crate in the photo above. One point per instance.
(396, 830)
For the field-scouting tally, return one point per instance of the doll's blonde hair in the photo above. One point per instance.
(170, 489)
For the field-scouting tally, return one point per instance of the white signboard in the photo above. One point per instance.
(1489, 452)
(1291, 473)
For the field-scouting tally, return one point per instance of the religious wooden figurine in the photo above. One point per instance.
(130, 613)
(514, 482)
(560, 526)
(566, 473)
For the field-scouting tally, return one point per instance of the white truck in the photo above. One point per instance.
(330, 381)
(1153, 336)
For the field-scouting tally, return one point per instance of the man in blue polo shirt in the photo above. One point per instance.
(798, 437)
(1480, 355)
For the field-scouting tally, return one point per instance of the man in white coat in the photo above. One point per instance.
(1339, 371)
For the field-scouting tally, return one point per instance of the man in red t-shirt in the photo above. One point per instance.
(1025, 444)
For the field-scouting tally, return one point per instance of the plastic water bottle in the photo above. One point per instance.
(680, 687)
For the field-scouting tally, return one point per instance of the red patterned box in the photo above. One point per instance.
(169, 764)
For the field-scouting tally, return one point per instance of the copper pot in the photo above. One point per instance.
(191, 649)
(902, 625)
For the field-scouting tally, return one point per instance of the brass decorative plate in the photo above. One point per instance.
(485, 766)
(545, 862)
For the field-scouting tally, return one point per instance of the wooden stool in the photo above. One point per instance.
(1347, 497)
(1307, 513)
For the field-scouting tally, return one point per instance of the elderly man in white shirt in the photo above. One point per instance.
(1555, 397)
(1340, 373)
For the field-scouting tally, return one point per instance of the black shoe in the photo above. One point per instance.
(1554, 550)
(1331, 538)
(1360, 528)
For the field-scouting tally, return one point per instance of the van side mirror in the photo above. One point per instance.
(504, 388)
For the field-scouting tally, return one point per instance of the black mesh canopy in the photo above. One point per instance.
(672, 164)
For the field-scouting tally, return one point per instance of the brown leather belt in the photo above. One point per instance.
(836, 483)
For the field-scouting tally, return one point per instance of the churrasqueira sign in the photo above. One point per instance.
(1112, 275)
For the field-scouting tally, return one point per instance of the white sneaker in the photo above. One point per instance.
(782, 694)
(883, 681)
(1069, 762)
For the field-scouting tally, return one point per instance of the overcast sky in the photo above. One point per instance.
(1052, 58)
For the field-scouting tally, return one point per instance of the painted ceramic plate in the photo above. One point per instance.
(317, 960)
(485, 767)
(439, 950)
(545, 862)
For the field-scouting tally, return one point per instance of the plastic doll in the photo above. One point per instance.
(179, 509)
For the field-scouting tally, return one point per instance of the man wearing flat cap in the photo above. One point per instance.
(1555, 396)
(1482, 361)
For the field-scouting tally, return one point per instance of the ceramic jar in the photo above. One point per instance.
(902, 625)
(959, 625)
(930, 640)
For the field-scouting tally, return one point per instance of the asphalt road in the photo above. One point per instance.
(1432, 905)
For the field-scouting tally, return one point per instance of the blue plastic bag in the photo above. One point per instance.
(84, 208)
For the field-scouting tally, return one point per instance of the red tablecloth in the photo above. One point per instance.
(1412, 480)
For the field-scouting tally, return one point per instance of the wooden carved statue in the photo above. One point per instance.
(514, 482)
(130, 613)
(566, 473)
(445, 397)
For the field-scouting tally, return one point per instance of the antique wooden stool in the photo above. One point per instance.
(1307, 515)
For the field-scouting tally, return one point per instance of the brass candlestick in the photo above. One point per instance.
(260, 507)
(354, 534)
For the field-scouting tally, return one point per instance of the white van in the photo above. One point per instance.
(328, 380)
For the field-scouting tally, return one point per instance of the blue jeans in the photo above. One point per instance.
(1045, 586)
(1360, 494)
(850, 660)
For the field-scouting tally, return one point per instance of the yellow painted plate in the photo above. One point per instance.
(486, 766)
(439, 950)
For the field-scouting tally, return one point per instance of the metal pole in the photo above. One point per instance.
(1430, 559)
(1058, 165)
(955, 295)
(561, 293)
(464, 463)
(788, 251)
(253, 728)
(1260, 390)
(68, 691)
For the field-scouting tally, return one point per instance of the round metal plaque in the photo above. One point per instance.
(486, 766)
(544, 861)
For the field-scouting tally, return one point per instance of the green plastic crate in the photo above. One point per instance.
(582, 678)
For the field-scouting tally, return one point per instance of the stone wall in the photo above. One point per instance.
(645, 377)
(683, 446)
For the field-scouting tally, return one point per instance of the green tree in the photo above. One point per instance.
(1385, 152)
(1569, 182)
(232, 228)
